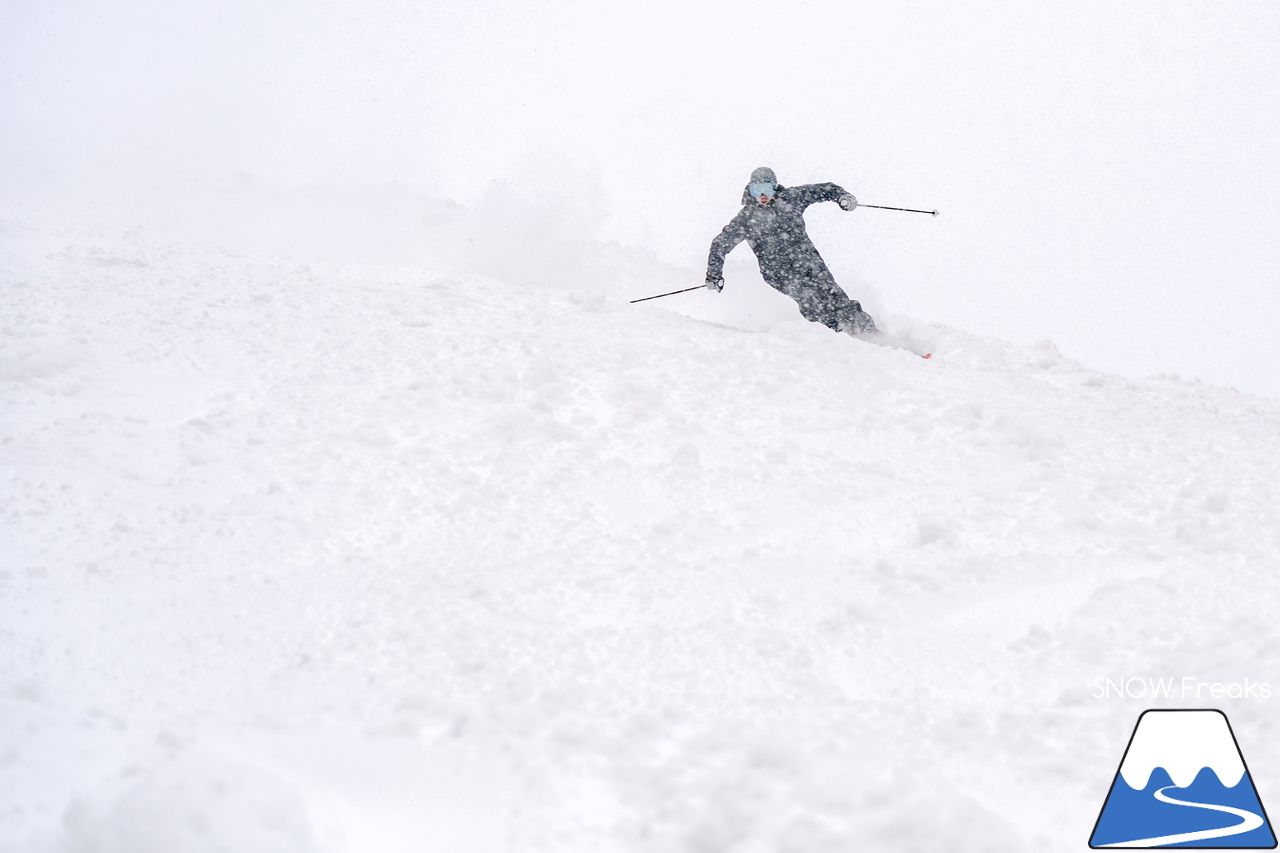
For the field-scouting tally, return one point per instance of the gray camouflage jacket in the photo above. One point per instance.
(776, 233)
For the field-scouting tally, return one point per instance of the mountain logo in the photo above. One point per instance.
(1183, 783)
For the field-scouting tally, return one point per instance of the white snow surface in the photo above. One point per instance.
(308, 556)
(1183, 743)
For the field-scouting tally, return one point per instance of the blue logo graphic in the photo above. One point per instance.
(1183, 783)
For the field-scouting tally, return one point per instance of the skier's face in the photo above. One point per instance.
(764, 199)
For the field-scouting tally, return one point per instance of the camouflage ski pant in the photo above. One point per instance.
(821, 300)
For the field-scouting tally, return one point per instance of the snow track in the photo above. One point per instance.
(1248, 822)
(341, 558)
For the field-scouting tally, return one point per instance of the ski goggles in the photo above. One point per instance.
(766, 188)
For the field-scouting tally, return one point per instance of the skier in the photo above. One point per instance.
(772, 223)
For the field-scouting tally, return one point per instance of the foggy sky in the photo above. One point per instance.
(1105, 175)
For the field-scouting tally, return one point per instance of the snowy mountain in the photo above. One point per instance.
(1193, 754)
(302, 555)
(1183, 743)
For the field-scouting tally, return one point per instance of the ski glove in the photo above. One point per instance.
(716, 284)
(847, 201)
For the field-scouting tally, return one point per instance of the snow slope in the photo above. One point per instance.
(305, 556)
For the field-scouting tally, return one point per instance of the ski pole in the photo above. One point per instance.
(907, 209)
(672, 293)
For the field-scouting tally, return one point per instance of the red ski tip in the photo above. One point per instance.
(927, 355)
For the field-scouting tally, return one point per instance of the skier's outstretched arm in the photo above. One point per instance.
(732, 234)
(812, 193)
